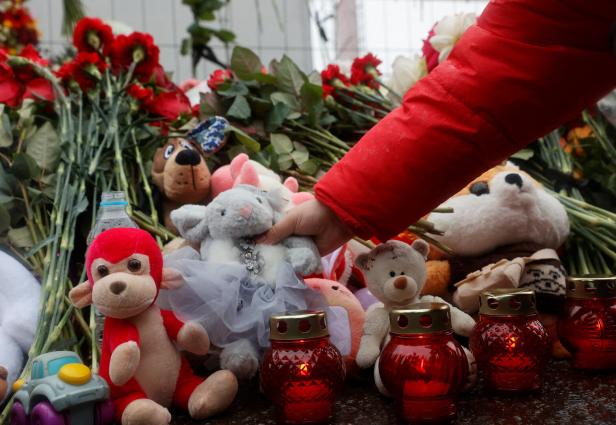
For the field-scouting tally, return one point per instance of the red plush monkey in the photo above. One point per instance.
(140, 355)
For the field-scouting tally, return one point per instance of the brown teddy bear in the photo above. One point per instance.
(181, 174)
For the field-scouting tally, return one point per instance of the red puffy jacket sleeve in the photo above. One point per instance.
(525, 68)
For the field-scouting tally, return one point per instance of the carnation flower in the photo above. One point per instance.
(138, 48)
(218, 78)
(364, 70)
(22, 82)
(331, 78)
(445, 34)
(140, 93)
(406, 72)
(86, 69)
(92, 35)
(169, 105)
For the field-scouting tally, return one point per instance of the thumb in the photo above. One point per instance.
(281, 230)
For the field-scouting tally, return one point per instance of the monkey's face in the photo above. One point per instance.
(123, 289)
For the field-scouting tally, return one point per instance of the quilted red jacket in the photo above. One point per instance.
(526, 67)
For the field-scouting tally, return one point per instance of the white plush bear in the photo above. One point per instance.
(19, 312)
(395, 273)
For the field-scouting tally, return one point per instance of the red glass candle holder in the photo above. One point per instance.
(302, 371)
(423, 366)
(588, 327)
(509, 342)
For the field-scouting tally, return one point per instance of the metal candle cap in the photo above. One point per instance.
(294, 325)
(591, 286)
(420, 318)
(508, 302)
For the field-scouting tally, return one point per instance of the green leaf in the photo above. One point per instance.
(236, 88)
(240, 109)
(5, 219)
(300, 154)
(44, 147)
(20, 237)
(312, 101)
(524, 154)
(284, 161)
(259, 106)
(315, 78)
(24, 167)
(287, 99)
(245, 63)
(210, 104)
(276, 116)
(6, 138)
(225, 36)
(309, 167)
(290, 78)
(266, 78)
(281, 143)
(250, 143)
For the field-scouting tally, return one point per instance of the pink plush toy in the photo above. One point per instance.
(242, 170)
(337, 295)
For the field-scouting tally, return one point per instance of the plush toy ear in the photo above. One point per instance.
(81, 295)
(172, 279)
(422, 247)
(191, 222)
(248, 176)
(236, 165)
(301, 197)
(364, 261)
(291, 184)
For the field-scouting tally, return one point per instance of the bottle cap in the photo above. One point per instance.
(591, 286)
(508, 302)
(294, 325)
(420, 318)
(116, 198)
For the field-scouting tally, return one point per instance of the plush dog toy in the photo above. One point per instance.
(181, 174)
(140, 354)
(502, 214)
(395, 273)
(19, 312)
(237, 280)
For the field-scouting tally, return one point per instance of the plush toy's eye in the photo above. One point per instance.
(223, 212)
(134, 265)
(480, 188)
(402, 273)
(102, 270)
(392, 273)
(168, 151)
(187, 145)
(259, 200)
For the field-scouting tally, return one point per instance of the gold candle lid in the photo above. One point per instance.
(591, 286)
(294, 325)
(508, 302)
(420, 318)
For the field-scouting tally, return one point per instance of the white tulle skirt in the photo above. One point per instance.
(232, 304)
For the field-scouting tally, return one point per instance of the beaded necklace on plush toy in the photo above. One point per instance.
(249, 256)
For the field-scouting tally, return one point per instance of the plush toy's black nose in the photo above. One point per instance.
(514, 178)
(117, 287)
(188, 157)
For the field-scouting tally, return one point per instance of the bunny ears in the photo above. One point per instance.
(210, 134)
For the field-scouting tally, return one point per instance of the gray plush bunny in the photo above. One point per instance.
(226, 229)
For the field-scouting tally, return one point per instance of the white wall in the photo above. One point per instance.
(270, 27)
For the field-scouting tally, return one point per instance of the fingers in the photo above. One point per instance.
(281, 230)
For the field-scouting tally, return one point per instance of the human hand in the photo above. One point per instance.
(314, 219)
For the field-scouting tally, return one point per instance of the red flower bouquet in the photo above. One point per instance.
(136, 48)
(92, 35)
(21, 82)
(218, 78)
(17, 27)
(364, 71)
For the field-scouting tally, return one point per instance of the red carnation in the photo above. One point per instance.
(169, 105)
(22, 82)
(429, 52)
(331, 78)
(136, 48)
(92, 35)
(86, 69)
(218, 78)
(140, 93)
(364, 70)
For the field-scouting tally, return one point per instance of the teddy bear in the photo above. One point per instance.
(19, 312)
(141, 358)
(243, 170)
(234, 283)
(502, 214)
(395, 273)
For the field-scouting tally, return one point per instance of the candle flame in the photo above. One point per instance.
(304, 369)
(511, 342)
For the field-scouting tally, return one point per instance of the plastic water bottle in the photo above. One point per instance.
(111, 214)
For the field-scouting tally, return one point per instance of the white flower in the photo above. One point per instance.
(448, 31)
(406, 71)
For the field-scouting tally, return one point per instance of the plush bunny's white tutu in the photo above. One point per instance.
(232, 304)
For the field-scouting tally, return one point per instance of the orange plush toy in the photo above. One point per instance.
(140, 359)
